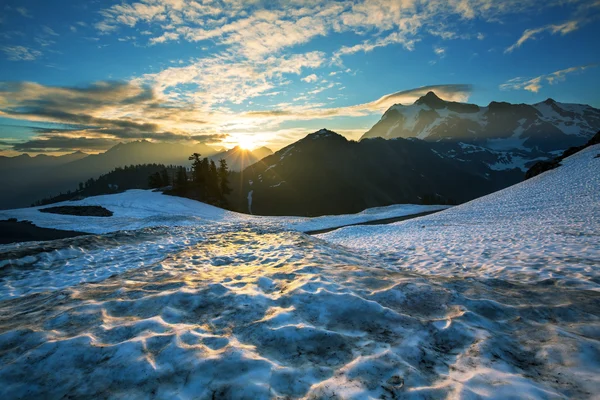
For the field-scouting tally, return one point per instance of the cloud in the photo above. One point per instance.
(226, 78)
(105, 112)
(369, 45)
(49, 31)
(164, 37)
(585, 12)
(24, 12)
(63, 144)
(535, 84)
(20, 53)
(254, 30)
(310, 78)
(563, 29)
(450, 92)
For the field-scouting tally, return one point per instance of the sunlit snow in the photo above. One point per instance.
(495, 298)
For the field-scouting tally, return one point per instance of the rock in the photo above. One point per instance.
(83, 211)
(541, 166)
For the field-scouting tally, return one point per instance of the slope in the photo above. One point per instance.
(326, 174)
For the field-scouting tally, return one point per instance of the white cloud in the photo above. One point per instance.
(310, 78)
(164, 37)
(20, 53)
(563, 29)
(535, 84)
(24, 12)
(49, 31)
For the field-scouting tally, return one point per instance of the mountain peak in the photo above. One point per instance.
(549, 101)
(431, 100)
(324, 133)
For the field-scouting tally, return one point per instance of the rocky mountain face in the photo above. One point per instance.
(324, 173)
(506, 135)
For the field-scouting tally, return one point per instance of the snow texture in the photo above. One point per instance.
(137, 209)
(497, 298)
(545, 228)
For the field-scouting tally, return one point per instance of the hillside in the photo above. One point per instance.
(324, 173)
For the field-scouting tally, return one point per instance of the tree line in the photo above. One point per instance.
(115, 181)
(207, 182)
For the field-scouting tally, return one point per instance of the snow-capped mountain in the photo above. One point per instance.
(514, 134)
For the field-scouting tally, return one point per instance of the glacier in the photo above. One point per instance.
(495, 298)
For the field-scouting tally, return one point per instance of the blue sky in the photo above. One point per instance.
(79, 75)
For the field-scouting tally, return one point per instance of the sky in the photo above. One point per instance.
(86, 75)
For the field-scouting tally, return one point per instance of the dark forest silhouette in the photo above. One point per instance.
(206, 181)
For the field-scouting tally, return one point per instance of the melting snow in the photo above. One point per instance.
(497, 298)
(545, 228)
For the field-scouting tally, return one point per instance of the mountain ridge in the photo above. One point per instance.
(527, 133)
(325, 173)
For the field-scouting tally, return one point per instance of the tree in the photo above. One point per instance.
(196, 168)
(223, 174)
(213, 181)
(180, 182)
(164, 177)
(155, 180)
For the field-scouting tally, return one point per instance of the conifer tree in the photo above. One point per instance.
(223, 178)
(213, 181)
(154, 180)
(164, 178)
(180, 181)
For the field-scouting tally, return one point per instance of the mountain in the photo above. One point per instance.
(25, 161)
(515, 135)
(324, 173)
(47, 179)
(239, 159)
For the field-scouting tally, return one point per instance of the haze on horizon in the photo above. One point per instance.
(88, 75)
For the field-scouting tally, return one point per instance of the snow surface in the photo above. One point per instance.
(138, 209)
(497, 298)
(543, 229)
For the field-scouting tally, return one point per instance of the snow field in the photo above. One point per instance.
(496, 298)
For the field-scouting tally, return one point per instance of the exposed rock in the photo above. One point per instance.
(82, 211)
(543, 166)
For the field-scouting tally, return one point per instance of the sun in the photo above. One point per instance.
(246, 143)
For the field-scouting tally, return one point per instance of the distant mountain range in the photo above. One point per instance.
(436, 152)
(502, 135)
(325, 173)
(25, 161)
(25, 179)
